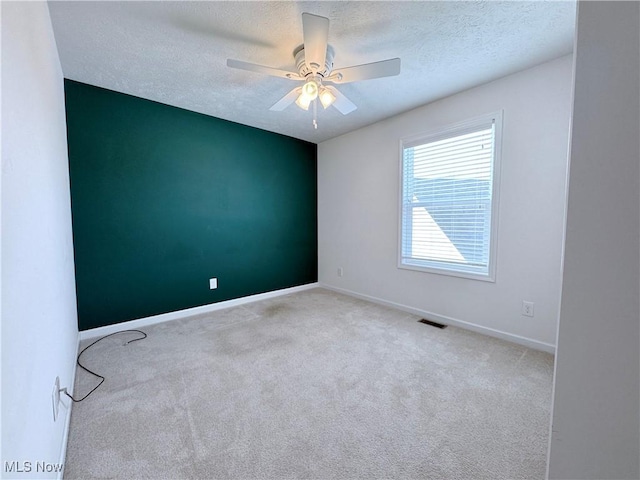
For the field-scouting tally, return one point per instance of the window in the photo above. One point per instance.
(449, 199)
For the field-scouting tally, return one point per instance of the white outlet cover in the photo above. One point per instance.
(213, 283)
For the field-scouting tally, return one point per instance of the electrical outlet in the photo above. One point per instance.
(213, 283)
(527, 309)
(340, 271)
(55, 398)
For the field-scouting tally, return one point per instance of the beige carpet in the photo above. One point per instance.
(311, 385)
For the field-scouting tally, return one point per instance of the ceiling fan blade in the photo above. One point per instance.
(315, 30)
(342, 103)
(252, 67)
(287, 100)
(368, 71)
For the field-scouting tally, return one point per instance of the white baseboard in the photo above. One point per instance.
(165, 317)
(527, 342)
(67, 420)
(212, 307)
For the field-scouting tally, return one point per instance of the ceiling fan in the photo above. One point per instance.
(314, 62)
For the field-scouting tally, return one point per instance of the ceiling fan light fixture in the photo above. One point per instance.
(314, 64)
(326, 97)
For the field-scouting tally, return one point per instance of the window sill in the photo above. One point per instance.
(450, 273)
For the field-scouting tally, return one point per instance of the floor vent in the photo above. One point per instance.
(433, 324)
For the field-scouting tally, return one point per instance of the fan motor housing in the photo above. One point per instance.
(304, 71)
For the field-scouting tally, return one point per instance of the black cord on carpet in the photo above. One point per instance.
(64, 390)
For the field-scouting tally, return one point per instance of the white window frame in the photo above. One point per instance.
(444, 268)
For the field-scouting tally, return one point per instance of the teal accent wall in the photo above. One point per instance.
(164, 199)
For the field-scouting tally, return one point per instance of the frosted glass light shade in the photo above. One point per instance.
(326, 97)
(303, 101)
(310, 89)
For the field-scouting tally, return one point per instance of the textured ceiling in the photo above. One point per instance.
(176, 52)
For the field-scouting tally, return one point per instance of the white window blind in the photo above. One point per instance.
(448, 200)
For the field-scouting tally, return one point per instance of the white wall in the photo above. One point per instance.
(39, 323)
(358, 208)
(596, 414)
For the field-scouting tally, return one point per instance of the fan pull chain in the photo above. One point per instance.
(315, 114)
